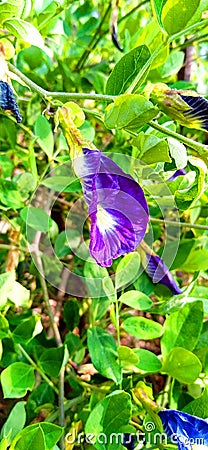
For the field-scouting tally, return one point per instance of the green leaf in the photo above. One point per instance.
(191, 186)
(127, 270)
(26, 183)
(144, 284)
(182, 365)
(27, 329)
(127, 69)
(11, 8)
(71, 313)
(172, 65)
(67, 241)
(7, 281)
(197, 260)
(95, 278)
(45, 136)
(29, 438)
(183, 328)
(136, 300)
(10, 197)
(36, 218)
(53, 359)
(183, 251)
(103, 352)
(75, 347)
(152, 149)
(109, 416)
(15, 421)
(38, 436)
(129, 111)
(142, 328)
(178, 152)
(17, 379)
(199, 406)
(62, 184)
(157, 6)
(25, 31)
(176, 14)
(148, 361)
(4, 327)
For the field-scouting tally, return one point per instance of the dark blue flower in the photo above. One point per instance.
(184, 430)
(117, 206)
(7, 100)
(159, 273)
(128, 441)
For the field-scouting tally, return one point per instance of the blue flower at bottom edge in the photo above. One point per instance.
(184, 430)
(159, 273)
(117, 206)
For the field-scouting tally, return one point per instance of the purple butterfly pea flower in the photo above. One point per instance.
(176, 174)
(184, 429)
(117, 206)
(159, 273)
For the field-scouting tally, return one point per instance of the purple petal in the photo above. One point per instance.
(176, 174)
(159, 273)
(184, 429)
(117, 207)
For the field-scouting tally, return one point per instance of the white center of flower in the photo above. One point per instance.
(104, 220)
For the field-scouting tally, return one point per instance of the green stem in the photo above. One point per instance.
(95, 39)
(180, 224)
(48, 95)
(36, 367)
(13, 247)
(201, 149)
(61, 406)
(117, 321)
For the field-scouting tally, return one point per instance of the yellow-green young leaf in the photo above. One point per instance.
(129, 111)
(10, 8)
(9, 49)
(127, 69)
(25, 31)
(182, 365)
(19, 295)
(176, 14)
(127, 357)
(7, 281)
